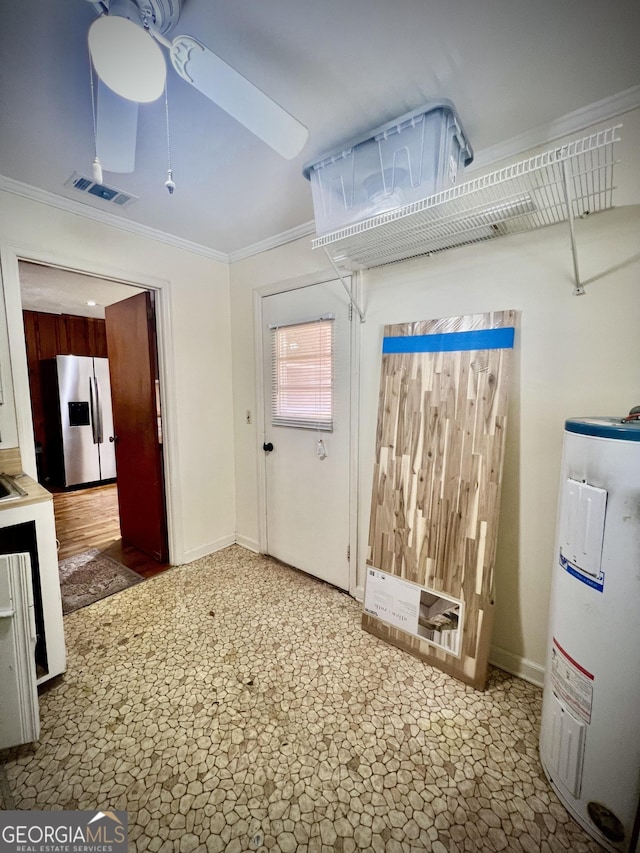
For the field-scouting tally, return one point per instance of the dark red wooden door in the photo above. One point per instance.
(133, 366)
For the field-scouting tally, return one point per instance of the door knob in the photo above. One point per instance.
(267, 446)
(113, 438)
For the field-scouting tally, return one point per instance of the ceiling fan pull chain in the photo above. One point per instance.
(97, 166)
(169, 183)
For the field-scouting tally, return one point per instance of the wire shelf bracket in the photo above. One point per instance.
(560, 185)
(352, 300)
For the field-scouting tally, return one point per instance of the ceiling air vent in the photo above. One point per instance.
(113, 196)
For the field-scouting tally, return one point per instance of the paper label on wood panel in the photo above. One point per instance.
(572, 683)
(426, 614)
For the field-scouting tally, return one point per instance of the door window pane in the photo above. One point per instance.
(302, 375)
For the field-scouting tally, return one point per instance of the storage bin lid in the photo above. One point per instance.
(605, 428)
(393, 126)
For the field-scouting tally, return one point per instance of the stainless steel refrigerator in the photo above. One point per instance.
(80, 440)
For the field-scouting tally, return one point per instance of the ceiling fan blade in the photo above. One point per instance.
(116, 130)
(237, 96)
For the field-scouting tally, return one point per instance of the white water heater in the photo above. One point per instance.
(590, 735)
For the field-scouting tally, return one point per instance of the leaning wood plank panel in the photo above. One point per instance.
(436, 490)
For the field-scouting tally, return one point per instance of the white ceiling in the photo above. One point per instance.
(342, 67)
(58, 291)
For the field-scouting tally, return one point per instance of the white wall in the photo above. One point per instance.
(195, 328)
(574, 356)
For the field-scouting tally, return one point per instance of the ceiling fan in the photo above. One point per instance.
(124, 45)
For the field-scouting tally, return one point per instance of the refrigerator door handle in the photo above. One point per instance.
(93, 412)
(98, 412)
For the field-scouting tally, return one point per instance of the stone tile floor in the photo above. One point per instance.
(234, 704)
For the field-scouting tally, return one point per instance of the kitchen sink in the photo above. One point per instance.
(9, 489)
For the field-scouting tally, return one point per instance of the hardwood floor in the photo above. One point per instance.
(135, 560)
(86, 518)
(89, 518)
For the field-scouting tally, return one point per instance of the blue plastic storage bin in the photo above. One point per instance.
(408, 159)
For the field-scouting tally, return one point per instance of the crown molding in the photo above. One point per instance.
(281, 239)
(607, 108)
(32, 193)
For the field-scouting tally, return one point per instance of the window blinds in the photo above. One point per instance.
(302, 374)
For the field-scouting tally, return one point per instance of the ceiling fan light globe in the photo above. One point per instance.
(127, 59)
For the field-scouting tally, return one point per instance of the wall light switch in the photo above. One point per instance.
(247, 417)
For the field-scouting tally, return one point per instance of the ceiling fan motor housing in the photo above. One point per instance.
(160, 15)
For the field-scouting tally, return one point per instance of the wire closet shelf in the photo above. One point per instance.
(571, 181)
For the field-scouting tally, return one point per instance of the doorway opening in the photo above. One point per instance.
(80, 456)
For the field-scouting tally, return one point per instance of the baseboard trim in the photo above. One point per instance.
(516, 665)
(249, 544)
(209, 548)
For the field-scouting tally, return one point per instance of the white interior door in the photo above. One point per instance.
(307, 471)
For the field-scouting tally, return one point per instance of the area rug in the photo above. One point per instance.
(90, 576)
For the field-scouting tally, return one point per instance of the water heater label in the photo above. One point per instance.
(572, 683)
(596, 583)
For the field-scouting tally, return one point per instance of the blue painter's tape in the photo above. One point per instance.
(480, 339)
(589, 580)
